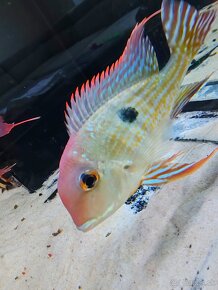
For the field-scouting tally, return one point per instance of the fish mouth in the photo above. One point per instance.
(87, 225)
(90, 224)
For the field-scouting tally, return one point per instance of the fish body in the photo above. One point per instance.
(117, 123)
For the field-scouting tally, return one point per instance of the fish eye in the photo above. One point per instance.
(89, 179)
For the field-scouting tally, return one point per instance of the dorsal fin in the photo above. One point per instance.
(137, 62)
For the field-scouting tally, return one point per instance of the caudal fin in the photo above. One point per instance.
(184, 26)
(25, 121)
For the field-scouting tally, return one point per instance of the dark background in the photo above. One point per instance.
(48, 48)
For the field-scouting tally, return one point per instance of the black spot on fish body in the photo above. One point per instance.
(128, 114)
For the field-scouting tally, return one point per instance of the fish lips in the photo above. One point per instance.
(88, 225)
(91, 223)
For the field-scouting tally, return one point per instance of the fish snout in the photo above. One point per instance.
(87, 226)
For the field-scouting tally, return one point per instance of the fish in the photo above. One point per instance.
(5, 128)
(5, 170)
(118, 121)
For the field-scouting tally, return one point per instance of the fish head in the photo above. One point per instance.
(91, 191)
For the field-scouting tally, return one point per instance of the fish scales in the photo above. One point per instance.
(149, 99)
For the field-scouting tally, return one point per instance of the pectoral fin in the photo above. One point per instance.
(167, 170)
